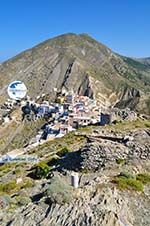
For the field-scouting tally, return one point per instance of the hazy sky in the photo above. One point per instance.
(123, 25)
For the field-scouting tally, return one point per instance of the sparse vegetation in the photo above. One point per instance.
(17, 171)
(126, 175)
(147, 124)
(8, 187)
(127, 181)
(70, 142)
(25, 133)
(144, 178)
(22, 200)
(63, 151)
(84, 170)
(120, 161)
(15, 168)
(11, 186)
(135, 64)
(41, 170)
(59, 191)
(5, 168)
(28, 183)
(131, 184)
(127, 125)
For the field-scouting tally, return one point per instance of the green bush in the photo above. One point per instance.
(63, 151)
(147, 124)
(131, 184)
(143, 177)
(134, 184)
(8, 187)
(28, 183)
(22, 200)
(127, 181)
(17, 171)
(59, 191)
(5, 168)
(120, 161)
(41, 170)
(126, 175)
(85, 170)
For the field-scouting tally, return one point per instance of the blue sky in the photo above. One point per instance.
(124, 25)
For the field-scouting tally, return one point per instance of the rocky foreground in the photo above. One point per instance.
(111, 192)
(96, 204)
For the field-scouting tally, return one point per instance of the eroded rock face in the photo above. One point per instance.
(78, 63)
(130, 97)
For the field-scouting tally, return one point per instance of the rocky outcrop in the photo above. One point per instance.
(102, 154)
(97, 157)
(94, 205)
(130, 98)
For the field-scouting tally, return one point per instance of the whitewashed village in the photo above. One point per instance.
(68, 113)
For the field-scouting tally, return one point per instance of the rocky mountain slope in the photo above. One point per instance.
(81, 64)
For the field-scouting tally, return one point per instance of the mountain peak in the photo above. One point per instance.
(80, 63)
